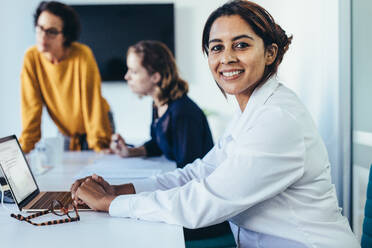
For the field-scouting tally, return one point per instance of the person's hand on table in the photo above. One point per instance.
(105, 185)
(118, 145)
(98, 193)
(94, 195)
(107, 151)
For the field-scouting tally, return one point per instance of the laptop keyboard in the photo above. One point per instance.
(64, 197)
(46, 200)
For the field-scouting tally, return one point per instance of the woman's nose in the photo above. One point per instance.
(228, 56)
(126, 76)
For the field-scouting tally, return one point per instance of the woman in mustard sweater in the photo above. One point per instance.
(62, 75)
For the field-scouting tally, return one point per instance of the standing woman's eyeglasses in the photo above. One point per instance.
(49, 32)
(56, 208)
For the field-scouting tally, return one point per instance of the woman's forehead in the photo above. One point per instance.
(226, 27)
(48, 20)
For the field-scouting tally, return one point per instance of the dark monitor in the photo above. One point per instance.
(110, 29)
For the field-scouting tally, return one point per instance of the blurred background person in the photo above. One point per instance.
(179, 128)
(62, 75)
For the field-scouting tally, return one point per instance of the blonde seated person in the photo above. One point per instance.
(269, 174)
(62, 75)
(179, 128)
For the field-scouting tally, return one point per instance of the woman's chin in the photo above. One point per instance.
(229, 91)
(139, 94)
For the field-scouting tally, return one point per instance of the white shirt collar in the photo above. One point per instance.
(258, 98)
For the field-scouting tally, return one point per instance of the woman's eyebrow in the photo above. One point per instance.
(242, 36)
(214, 40)
(233, 39)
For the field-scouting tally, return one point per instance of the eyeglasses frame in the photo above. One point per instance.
(49, 32)
(61, 212)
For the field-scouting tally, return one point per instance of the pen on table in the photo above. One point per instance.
(128, 145)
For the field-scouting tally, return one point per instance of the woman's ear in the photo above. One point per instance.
(155, 77)
(271, 52)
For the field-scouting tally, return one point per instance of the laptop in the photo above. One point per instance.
(21, 181)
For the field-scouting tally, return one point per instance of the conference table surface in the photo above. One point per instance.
(95, 229)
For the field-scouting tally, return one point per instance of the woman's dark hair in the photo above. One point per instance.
(156, 57)
(69, 17)
(260, 21)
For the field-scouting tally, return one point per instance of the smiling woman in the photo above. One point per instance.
(237, 57)
(269, 174)
(239, 53)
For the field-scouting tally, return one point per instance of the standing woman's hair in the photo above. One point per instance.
(260, 21)
(69, 17)
(156, 57)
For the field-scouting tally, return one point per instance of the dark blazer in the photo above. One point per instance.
(182, 133)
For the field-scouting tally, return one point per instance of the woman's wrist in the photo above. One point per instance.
(136, 152)
(124, 189)
(108, 199)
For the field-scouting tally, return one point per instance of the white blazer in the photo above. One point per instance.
(269, 173)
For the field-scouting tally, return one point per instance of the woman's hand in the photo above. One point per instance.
(118, 145)
(98, 179)
(94, 195)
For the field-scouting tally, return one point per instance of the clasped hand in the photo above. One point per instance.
(93, 191)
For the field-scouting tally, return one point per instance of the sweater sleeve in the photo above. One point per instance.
(187, 137)
(152, 148)
(31, 105)
(94, 106)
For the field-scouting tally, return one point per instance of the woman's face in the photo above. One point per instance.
(49, 36)
(137, 76)
(237, 57)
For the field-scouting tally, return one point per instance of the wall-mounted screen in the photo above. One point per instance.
(110, 29)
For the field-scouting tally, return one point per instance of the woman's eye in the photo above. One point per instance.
(131, 71)
(241, 45)
(216, 48)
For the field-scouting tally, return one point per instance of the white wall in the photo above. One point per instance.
(16, 29)
(311, 67)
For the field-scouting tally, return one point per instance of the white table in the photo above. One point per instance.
(94, 229)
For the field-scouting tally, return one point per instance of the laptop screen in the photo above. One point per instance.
(16, 169)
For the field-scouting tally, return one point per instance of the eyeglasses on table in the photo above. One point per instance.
(56, 208)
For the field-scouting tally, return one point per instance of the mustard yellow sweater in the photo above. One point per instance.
(71, 92)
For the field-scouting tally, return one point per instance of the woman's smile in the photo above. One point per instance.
(231, 74)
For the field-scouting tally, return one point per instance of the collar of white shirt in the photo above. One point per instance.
(259, 96)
